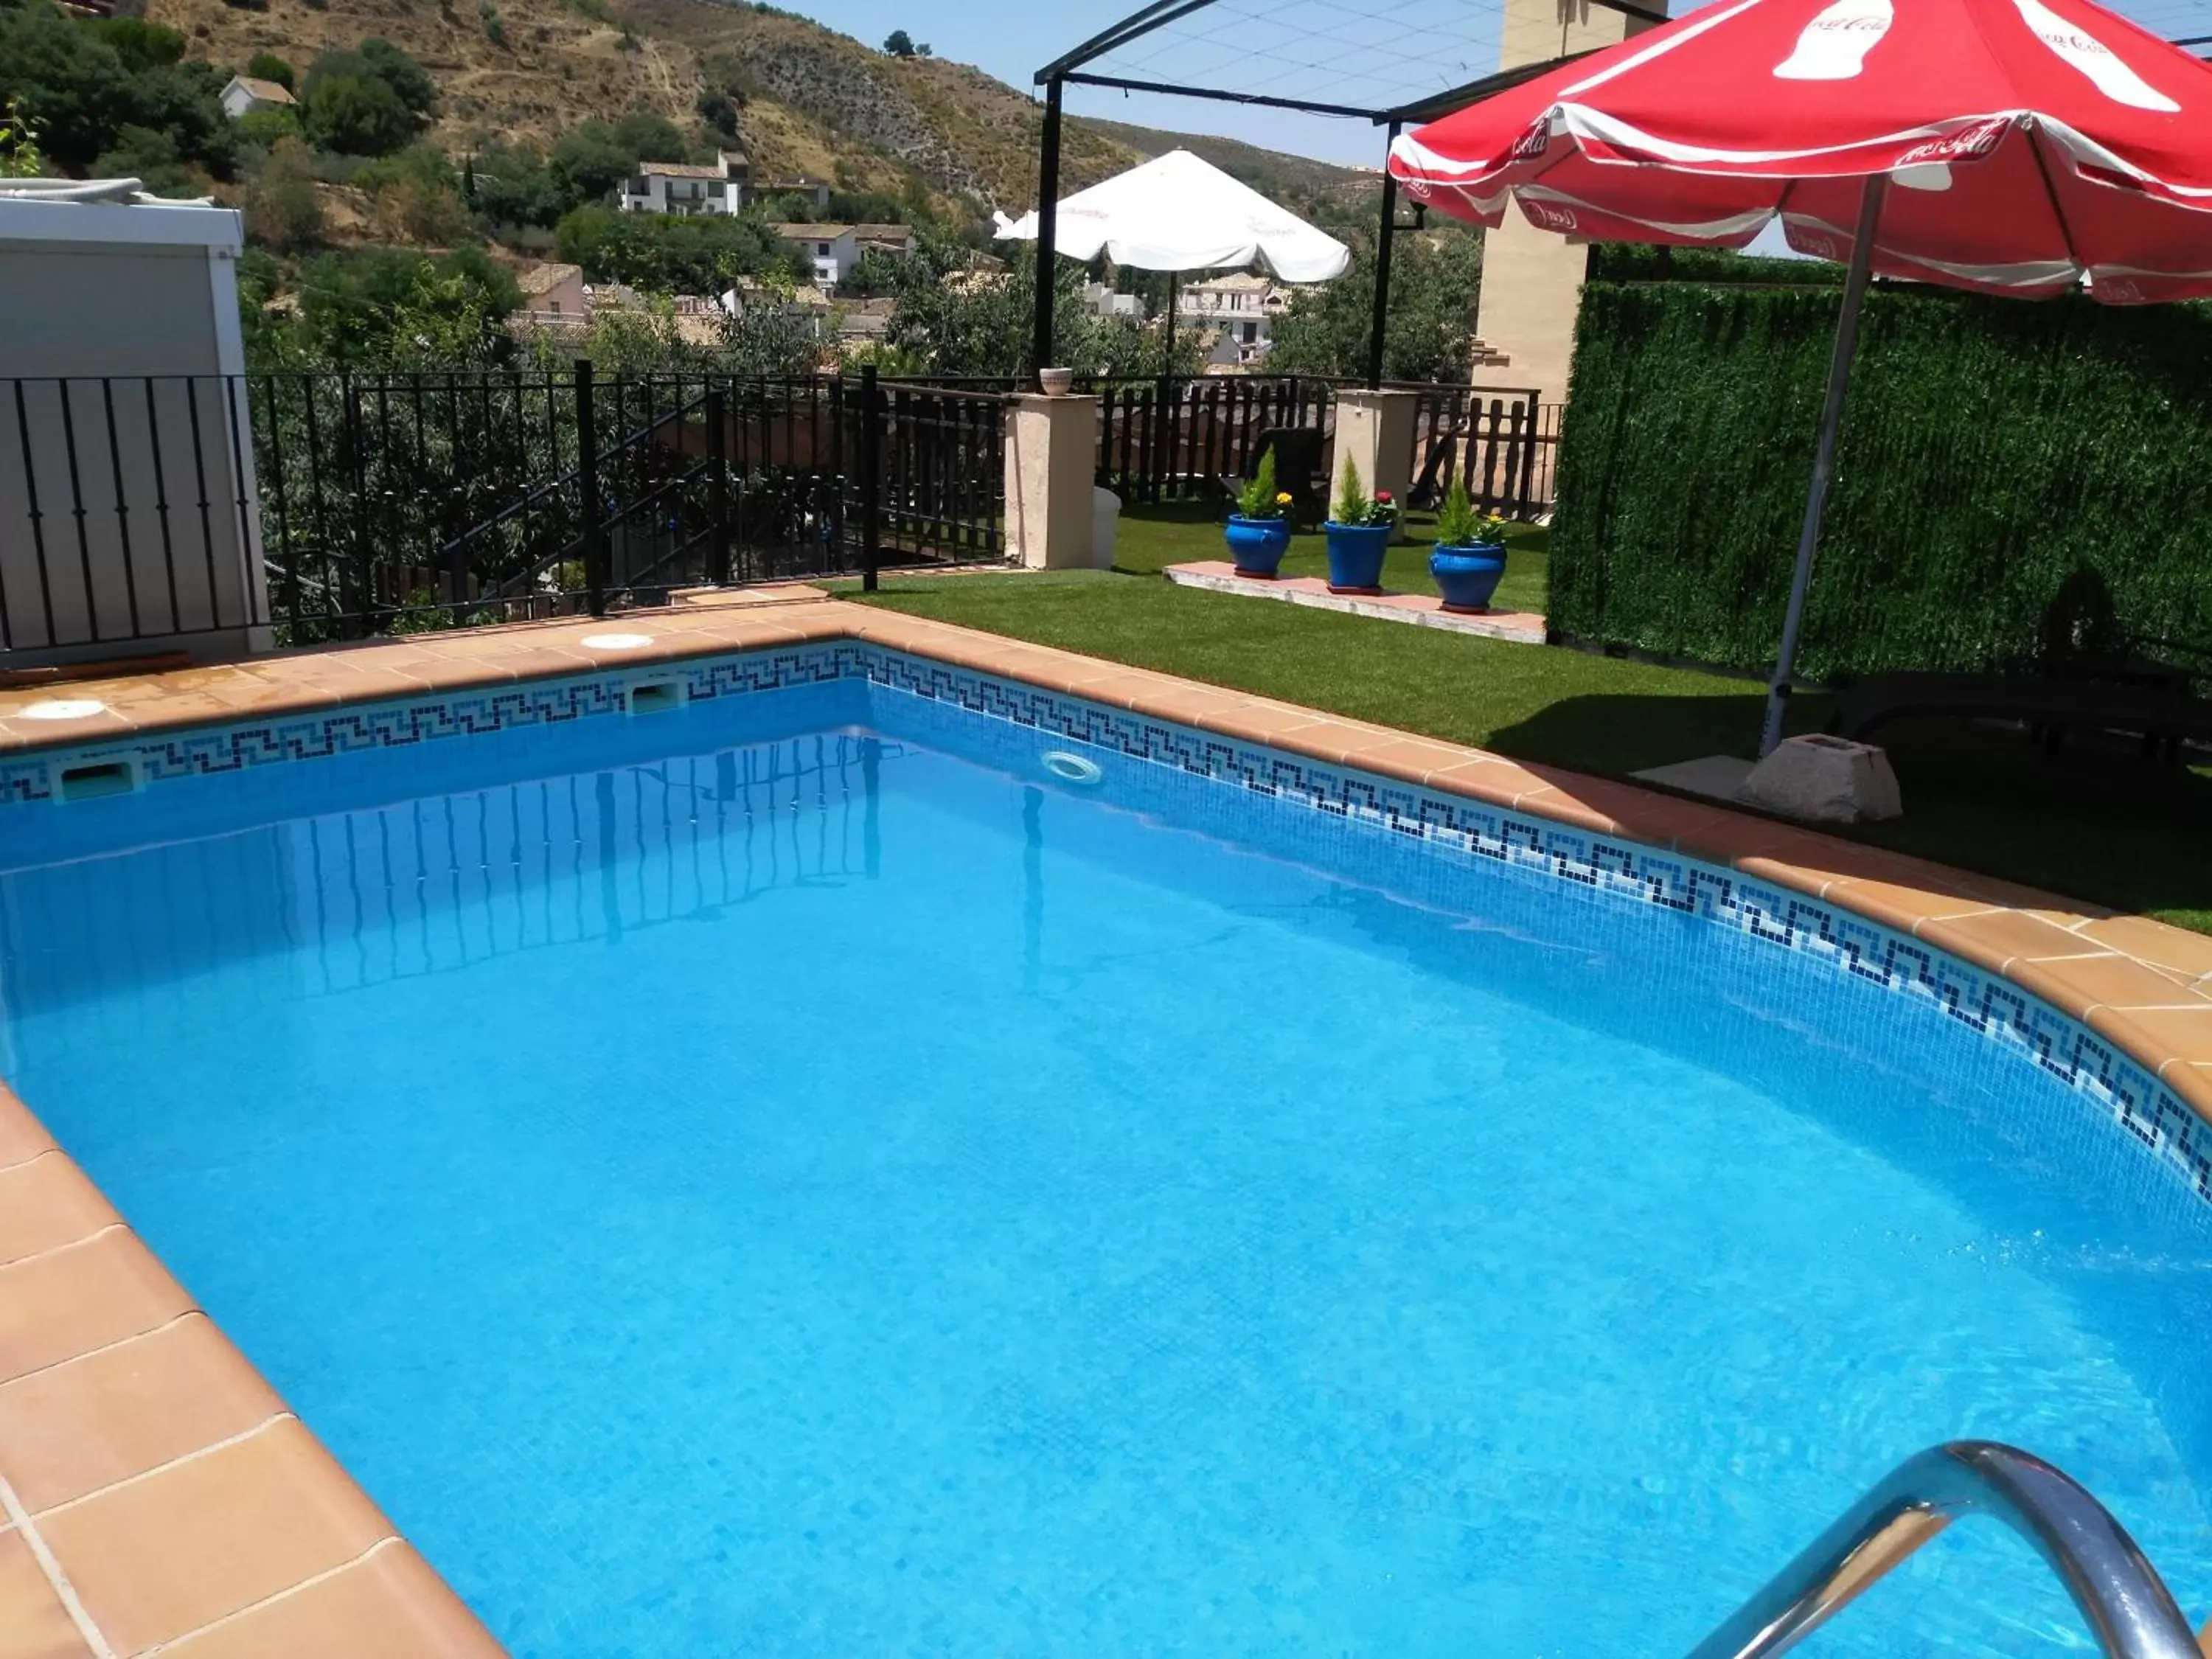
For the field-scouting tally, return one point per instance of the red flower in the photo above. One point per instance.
(1382, 495)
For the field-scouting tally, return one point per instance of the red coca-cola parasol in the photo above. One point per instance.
(2035, 145)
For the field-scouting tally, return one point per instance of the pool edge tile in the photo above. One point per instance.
(388, 1602)
(159, 1557)
(34, 1623)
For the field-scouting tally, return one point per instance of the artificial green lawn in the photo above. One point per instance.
(2102, 827)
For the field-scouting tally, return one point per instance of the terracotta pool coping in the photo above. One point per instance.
(157, 1495)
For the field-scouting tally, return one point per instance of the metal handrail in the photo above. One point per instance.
(2126, 1605)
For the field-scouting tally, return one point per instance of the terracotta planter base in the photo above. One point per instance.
(1465, 610)
(1256, 575)
(1357, 592)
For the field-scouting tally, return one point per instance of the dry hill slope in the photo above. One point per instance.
(815, 102)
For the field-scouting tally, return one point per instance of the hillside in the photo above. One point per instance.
(812, 101)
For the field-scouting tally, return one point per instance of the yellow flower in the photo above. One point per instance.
(1283, 499)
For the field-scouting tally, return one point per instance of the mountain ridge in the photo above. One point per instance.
(810, 99)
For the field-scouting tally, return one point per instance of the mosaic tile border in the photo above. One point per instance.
(1987, 1003)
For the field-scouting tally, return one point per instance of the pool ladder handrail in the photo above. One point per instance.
(2126, 1604)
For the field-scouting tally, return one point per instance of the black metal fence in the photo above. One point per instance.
(292, 509)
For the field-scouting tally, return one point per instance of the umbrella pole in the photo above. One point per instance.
(1824, 458)
(1171, 308)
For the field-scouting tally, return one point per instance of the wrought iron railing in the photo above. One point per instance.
(294, 509)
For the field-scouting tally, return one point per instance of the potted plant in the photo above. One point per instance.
(1469, 557)
(1260, 528)
(1359, 529)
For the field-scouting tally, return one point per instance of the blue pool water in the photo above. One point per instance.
(790, 1177)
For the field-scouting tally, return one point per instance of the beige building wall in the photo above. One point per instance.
(1532, 279)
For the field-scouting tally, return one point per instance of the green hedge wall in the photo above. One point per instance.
(1990, 449)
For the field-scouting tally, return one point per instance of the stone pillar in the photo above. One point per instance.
(1052, 446)
(1376, 429)
(1532, 279)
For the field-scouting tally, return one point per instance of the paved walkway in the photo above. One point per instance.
(1219, 576)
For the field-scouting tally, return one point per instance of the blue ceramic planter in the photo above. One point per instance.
(1256, 545)
(1355, 557)
(1468, 576)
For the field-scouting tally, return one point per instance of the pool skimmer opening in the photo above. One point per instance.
(1073, 769)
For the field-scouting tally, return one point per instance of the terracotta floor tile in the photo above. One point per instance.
(388, 1605)
(51, 734)
(1550, 802)
(2115, 982)
(1498, 782)
(74, 1428)
(1187, 705)
(22, 1137)
(45, 1203)
(34, 1624)
(2155, 942)
(1414, 760)
(158, 1557)
(1642, 815)
(1990, 939)
(1121, 688)
(1327, 739)
(2155, 1035)
(1256, 722)
(1896, 905)
(69, 1301)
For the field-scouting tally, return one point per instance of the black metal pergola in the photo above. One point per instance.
(1094, 64)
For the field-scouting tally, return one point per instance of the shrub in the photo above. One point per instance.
(356, 115)
(283, 209)
(268, 66)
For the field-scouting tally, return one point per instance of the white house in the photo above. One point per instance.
(1101, 301)
(680, 188)
(243, 94)
(898, 240)
(554, 294)
(832, 250)
(1244, 308)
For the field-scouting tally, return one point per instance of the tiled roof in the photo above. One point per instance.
(811, 233)
(543, 279)
(266, 92)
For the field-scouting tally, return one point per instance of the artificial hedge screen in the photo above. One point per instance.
(1990, 450)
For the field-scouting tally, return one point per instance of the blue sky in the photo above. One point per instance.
(1012, 40)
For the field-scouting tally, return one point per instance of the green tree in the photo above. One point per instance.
(874, 274)
(265, 128)
(1429, 327)
(19, 156)
(672, 255)
(283, 209)
(356, 115)
(900, 45)
(649, 136)
(370, 101)
(393, 307)
(268, 66)
(151, 158)
(141, 45)
(590, 160)
(515, 186)
(80, 83)
(963, 322)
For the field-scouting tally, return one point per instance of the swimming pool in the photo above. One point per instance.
(802, 1172)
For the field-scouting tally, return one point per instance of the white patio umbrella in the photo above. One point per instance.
(1178, 213)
